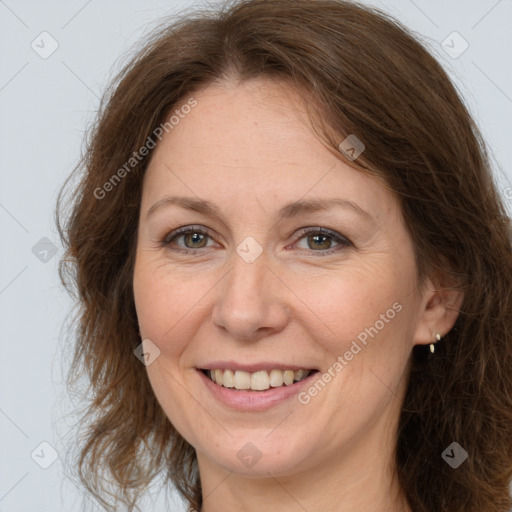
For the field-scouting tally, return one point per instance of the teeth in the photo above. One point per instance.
(242, 380)
(288, 377)
(260, 381)
(228, 379)
(299, 374)
(257, 381)
(276, 378)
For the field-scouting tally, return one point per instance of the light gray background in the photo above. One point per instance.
(45, 106)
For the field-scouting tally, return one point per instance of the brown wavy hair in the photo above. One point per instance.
(369, 76)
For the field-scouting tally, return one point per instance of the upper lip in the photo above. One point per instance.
(253, 367)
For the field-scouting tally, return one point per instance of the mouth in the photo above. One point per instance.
(239, 380)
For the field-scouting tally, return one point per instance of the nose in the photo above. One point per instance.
(250, 301)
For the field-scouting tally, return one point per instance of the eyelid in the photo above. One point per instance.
(340, 239)
(323, 231)
(186, 229)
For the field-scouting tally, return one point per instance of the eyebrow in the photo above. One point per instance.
(290, 210)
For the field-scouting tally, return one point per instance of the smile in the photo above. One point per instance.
(256, 381)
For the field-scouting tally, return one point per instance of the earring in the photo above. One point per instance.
(432, 347)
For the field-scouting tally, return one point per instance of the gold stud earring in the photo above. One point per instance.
(432, 346)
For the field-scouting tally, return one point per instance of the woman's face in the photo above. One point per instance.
(254, 285)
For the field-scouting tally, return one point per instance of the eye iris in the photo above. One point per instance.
(316, 238)
(195, 238)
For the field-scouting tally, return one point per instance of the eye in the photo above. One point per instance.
(320, 240)
(194, 237)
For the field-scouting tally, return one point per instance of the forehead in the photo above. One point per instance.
(254, 139)
(245, 124)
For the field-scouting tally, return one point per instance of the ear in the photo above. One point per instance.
(439, 309)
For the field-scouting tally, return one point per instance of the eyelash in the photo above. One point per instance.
(342, 241)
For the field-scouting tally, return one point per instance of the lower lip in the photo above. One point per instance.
(253, 400)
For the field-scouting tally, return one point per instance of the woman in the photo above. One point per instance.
(294, 272)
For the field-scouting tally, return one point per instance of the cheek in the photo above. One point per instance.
(156, 304)
(164, 308)
(354, 301)
(366, 345)
(170, 306)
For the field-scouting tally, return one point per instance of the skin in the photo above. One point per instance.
(248, 148)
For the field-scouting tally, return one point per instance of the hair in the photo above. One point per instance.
(370, 77)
